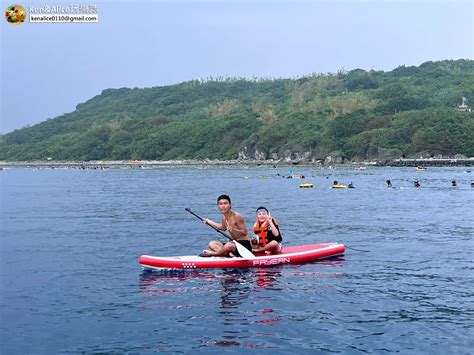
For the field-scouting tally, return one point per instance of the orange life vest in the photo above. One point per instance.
(261, 230)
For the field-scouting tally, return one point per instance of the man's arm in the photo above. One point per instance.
(219, 226)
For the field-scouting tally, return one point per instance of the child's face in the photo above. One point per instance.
(262, 216)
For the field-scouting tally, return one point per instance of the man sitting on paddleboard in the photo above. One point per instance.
(234, 223)
(268, 237)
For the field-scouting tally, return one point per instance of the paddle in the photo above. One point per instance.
(243, 251)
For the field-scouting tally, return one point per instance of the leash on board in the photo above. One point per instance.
(348, 247)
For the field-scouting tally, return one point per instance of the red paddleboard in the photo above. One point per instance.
(289, 255)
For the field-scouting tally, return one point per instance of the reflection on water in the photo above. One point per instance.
(155, 283)
(227, 311)
(235, 289)
(243, 308)
(236, 283)
(268, 278)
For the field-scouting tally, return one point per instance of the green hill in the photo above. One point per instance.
(356, 115)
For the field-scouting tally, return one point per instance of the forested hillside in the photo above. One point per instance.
(357, 115)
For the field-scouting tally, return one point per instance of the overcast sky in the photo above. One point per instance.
(47, 69)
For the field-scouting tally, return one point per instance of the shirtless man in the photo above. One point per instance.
(234, 223)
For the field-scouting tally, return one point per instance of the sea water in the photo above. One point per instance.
(70, 280)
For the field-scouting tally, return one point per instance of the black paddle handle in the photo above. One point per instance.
(210, 225)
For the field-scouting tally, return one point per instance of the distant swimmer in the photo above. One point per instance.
(388, 183)
(416, 183)
(351, 185)
(472, 183)
(337, 185)
(453, 183)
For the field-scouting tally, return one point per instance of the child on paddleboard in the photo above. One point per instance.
(267, 233)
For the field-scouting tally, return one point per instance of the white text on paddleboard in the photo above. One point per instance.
(271, 261)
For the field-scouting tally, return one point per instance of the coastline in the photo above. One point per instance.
(103, 164)
(159, 163)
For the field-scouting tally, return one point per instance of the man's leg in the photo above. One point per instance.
(215, 245)
(215, 248)
(218, 249)
(229, 249)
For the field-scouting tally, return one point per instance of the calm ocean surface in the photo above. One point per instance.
(70, 281)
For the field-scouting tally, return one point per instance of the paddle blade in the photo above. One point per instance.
(243, 251)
